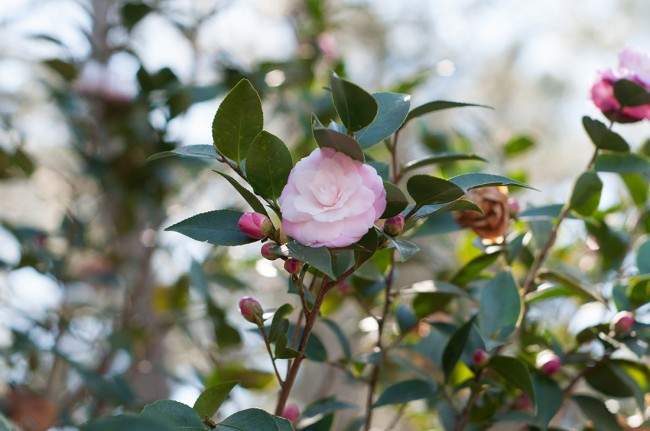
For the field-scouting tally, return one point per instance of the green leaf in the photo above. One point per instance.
(473, 268)
(133, 12)
(122, 422)
(276, 324)
(437, 105)
(283, 424)
(393, 109)
(248, 378)
(548, 399)
(475, 180)
(637, 185)
(440, 158)
(173, 413)
(193, 151)
(406, 249)
(595, 410)
(604, 138)
(518, 145)
(404, 392)
(237, 121)
(638, 290)
(622, 163)
(571, 283)
(604, 378)
(395, 200)
(268, 165)
(356, 107)
(455, 346)
(211, 399)
(457, 205)
(427, 190)
(340, 335)
(383, 170)
(216, 227)
(643, 256)
(514, 371)
(318, 257)
(629, 93)
(249, 197)
(281, 349)
(324, 424)
(249, 420)
(326, 406)
(406, 319)
(501, 307)
(326, 138)
(585, 196)
(315, 350)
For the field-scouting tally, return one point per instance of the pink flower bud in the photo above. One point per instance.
(267, 253)
(291, 413)
(548, 363)
(292, 266)
(513, 205)
(251, 310)
(255, 225)
(622, 322)
(344, 288)
(394, 225)
(480, 358)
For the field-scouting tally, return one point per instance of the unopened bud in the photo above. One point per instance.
(292, 266)
(548, 363)
(622, 322)
(251, 310)
(394, 225)
(513, 206)
(291, 413)
(344, 288)
(255, 225)
(522, 402)
(480, 358)
(267, 253)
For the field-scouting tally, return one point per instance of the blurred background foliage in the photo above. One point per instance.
(100, 309)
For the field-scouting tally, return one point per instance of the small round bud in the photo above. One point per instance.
(344, 288)
(292, 266)
(291, 413)
(255, 225)
(522, 402)
(548, 363)
(251, 310)
(622, 322)
(267, 253)
(513, 206)
(480, 358)
(394, 225)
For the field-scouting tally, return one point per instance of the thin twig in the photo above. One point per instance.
(271, 355)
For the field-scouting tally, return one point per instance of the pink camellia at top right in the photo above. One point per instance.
(634, 66)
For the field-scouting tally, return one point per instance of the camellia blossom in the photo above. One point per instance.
(331, 199)
(633, 66)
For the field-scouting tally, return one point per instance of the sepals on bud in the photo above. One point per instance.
(622, 322)
(267, 253)
(480, 358)
(394, 225)
(292, 266)
(291, 413)
(255, 225)
(251, 310)
(548, 363)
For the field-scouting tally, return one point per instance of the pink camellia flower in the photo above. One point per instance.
(331, 199)
(633, 66)
(255, 225)
(291, 413)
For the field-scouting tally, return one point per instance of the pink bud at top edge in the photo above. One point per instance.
(255, 225)
(251, 310)
(291, 413)
(394, 225)
(622, 322)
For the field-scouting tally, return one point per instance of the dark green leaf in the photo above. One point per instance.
(622, 163)
(340, 335)
(393, 109)
(404, 392)
(249, 197)
(318, 257)
(315, 350)
(211, 399)
(518, 145)
(544, 212)
(476, 180)
(324, 424)
(638, 290)
(643, 257)
(194, 151)
(455, 346)
(395, 200)
(501, 307)
(237, 121)
(406, 249)
(437, 105)
(326, 406)
(595, 410)
(247, 378)
(283, 424)
(268, 165)
(68, 71)
(133, 12)
(473, 268)
(173, 413)
(604, 138)
(406, 319)
(637, 185)
(249, 420)
(606, 380)
(571, 283)
(585, 196)
(281, 349)
(326, 138)
(629, 93)
(457, 205)
(280, 314)
(635, 376)
(548, 399)
(356, 107)
(216, 227)
(514, 371)
(427, 190)
(130, 423)
(440, 158)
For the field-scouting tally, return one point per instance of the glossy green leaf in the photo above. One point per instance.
(406, 249)
(455, 346)
(393, 109)
(571, 283)
(193, 151)
(603, 137)
(501, 307)
(283, 424)
(643, 256)
(356, 107)
(638, 290)
(340, 336)
(326, 406)
(268, 165)
(211, 399)
(438, 105)
(622, 163)
(248, 378)
(604, 378)
(315, 350)
(249, 420)
(473, 268)
(636, 376)
(518, 145)
(216, 227)
(457, 205)
(595, 410)
(406, 318)
(440, 158)
(548, 399)
(637, 185)
(475, 180)
(173, 413)
(404, 392)
(282, 351)
(428, 190)
(514, 371)
(324, 424)
(237, 121)
(585, 196)
(318, 257)
(326, 138)
(248, 196)
(123, 422)
(629, 93)
(395, 200)
(280, 314)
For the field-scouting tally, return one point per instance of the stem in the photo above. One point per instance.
(397, 417)
(393, 155)
(463, 417)
(268, 349)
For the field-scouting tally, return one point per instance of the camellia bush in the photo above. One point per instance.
(468, 349)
